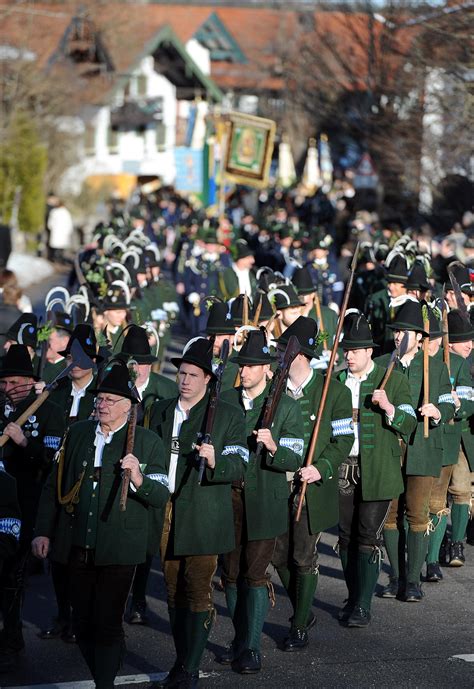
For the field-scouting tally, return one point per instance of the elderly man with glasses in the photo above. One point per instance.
(81, 522)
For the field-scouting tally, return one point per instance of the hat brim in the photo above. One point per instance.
(407, 326)
(230, 330)
(141, 358)
(457, 338)
(252, 361)
(306, 290)
(18, 372)
(117, 306)
(114, 391)
(312, 353)
(177, 361)
(397, 278)
(353, 344)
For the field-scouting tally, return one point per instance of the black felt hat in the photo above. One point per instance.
(463, 277)
(117, 381)
(241, 250)
(409, 317)
(417, 278)
(284, 297)
(17, 362)
(24, 330)
(85, 335)
(219, 320)
(236, 310)
(306, 331)
(115, 299)
(197, 352)
(266, 312)
(136, 345)
(60, 320)
(398, 269)
(302, 281)
(356, 332)
(255, 350)
(435, 326)
(460, 330)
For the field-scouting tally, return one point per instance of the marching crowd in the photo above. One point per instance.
(326, 383)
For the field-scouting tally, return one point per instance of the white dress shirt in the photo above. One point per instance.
(77, 394)
(180, 415)
(353, 383)
(101, 440)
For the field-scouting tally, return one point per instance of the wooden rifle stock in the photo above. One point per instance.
(277, 387)
(327, 381)
(426, 376)
(132, 424)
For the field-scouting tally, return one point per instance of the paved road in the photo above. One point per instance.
(408, 645)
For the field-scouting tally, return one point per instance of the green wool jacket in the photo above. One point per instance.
(121, 538)
(335, 440)
(229, 283)
(202, 514)
(51, 371)
(425, 456)
(265, 484)
(158, 388)
(379, 448)
(230, 374)
(462, 384)
(329, 322)
(63, 398)
(378, 314)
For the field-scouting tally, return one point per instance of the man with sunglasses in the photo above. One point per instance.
(80, 518)
(27, 456)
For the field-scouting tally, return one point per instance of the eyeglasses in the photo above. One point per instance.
(107, 401)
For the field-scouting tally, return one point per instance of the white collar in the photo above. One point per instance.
(296, 390)
(76, 391)
(99, 433)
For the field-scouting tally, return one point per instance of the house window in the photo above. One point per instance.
(112, 139)
(160, 135)
(89, 140)
(142, 85)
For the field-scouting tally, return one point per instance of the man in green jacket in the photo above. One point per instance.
(260, 501)
(80, 520)
(423, 456)
(460, 486)
(295, 557)
(198, 519)
(76, 402)
(453, 454)
(371, 475)
(151, 387)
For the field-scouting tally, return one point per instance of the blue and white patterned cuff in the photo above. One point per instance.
(236, 450)
(446, 399)
(342, 427)
(52, 442)
(11, 527)
(464, 392)
(161, 478)
(408, 409)
(295, 444)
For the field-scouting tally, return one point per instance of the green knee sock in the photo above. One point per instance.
(178, 629)
(256, 604)
(391, 538)
(305, 590)
(368, 569)
(417, 546)
(459, 520)
(288, 581)
(198, 626)
(436, 537)
(349, 567)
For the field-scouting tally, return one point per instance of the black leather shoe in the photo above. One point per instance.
(138, 614)
(345, 612)
(297, 640)
(54, 632)
(359, 617)
(189, 680)
(413, 593)
(172, 679)
(456, 553)
(248, 663)
(433, 572)
(391, 590)
(444, 551)
(228, 656)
